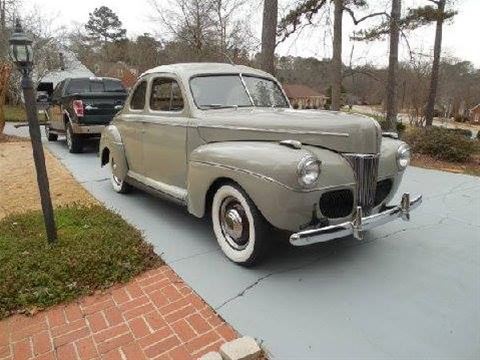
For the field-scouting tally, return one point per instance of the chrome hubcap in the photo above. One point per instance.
(115, 178)
(234, 223)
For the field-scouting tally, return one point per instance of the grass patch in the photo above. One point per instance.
(96, 249)
(14, 113)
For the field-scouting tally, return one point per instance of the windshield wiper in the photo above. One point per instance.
(218, 106)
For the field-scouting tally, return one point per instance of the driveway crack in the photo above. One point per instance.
(315, 260)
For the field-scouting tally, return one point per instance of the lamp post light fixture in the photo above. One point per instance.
(21, 53)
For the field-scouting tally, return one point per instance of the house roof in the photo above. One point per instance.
(73, 68)
(300, 91)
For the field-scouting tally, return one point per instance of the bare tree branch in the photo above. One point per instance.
(358, 21)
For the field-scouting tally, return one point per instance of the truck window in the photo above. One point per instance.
(81, 86)
(57, 93)
(97, 86)
(113, 86)
(78, 86)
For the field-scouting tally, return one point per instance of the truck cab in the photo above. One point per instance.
(80, 108)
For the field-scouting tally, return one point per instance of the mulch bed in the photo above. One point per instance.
(11, 138)
(428, 162)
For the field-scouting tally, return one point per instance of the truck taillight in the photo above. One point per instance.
(78, 108)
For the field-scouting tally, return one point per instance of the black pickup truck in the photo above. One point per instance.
(80, 108)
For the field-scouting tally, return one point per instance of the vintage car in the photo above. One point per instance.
(223, 140)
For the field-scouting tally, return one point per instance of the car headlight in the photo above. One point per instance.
(308, 171)
(403, 156)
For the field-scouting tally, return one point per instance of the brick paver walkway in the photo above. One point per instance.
(154, 316)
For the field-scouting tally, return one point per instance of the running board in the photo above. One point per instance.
(157, 188)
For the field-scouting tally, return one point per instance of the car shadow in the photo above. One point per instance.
(281, 255)
(89, 145)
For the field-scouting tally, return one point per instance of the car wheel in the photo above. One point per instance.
(119, 185)
(240, 228)
(74, 142)
(49, 135)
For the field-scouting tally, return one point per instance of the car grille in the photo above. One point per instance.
(365, 167)
(383, 189)
(337, 203)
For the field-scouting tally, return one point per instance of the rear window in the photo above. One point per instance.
(81, 86)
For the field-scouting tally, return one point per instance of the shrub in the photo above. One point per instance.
(440, 143)
(383, 124)
(463, 132)
(478, 135)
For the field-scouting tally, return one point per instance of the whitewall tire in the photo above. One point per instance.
(118, 184)
(240, 228)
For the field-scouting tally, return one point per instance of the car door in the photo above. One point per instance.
(130, 126)
(165, 134)
(54, 111)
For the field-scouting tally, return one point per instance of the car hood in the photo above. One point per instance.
(342, 132)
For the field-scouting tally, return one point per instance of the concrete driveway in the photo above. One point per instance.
(409, 290)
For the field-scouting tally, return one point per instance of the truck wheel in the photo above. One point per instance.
(240, 228)
(74, 142)
(49, 135)
(119, 185)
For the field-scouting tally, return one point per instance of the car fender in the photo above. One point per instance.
(111, 144)
(388, 167)
(267, 171)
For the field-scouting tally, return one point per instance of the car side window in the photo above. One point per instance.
(166, 95)
(138, 98)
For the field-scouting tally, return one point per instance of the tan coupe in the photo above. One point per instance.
(223, 140)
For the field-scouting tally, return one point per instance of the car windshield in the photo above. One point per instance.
(223, 91)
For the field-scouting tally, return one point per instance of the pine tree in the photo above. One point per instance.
(269, 35)
(104, 26)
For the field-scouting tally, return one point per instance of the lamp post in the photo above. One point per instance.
(21, 53)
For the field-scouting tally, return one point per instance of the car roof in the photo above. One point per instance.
(188, 70)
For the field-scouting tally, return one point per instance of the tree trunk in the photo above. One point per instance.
(337, 56)
(269, 35)
(2, 15)
(4, 76)
(437, 49)
(393, 65)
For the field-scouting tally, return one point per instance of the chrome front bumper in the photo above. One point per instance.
(358, 225)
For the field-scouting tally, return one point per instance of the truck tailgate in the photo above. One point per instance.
(99, 108)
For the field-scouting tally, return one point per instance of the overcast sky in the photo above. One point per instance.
(461, 38)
